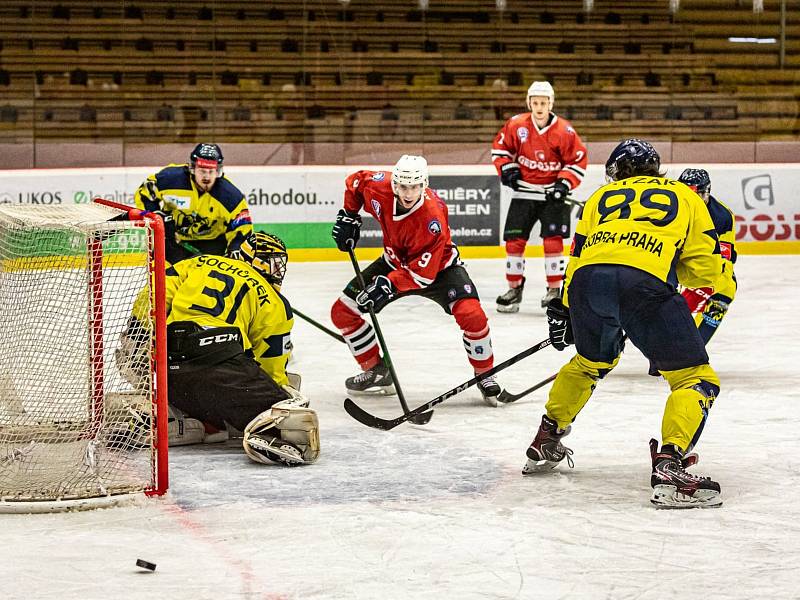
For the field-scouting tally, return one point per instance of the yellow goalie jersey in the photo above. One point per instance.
(654, 224)
(216, 291)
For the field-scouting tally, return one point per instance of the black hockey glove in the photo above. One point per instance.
(510, 175)
(558, 192)
(169, 224)
(559, 324)
(346, 230)
(377, 294)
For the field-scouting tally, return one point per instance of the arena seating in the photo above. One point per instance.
(381, 71)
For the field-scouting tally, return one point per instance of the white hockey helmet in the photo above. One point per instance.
(541, 88)
(410, 170)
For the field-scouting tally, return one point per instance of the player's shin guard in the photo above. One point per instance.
(573, 387)
(554, 260)
(358, 333)
(515, 261)
(693, 392)
(477, 338)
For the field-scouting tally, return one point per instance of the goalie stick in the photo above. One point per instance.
(362, 416)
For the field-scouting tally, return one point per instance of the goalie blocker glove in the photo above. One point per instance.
(376, 295)
(347, 230)
(558, 192)
(510, 175)
(559, 325)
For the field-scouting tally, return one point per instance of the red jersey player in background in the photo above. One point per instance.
(419, 258)
(541, 157)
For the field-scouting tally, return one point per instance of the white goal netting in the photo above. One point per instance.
(76, 405)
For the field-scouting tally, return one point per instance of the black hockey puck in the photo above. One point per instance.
(145, 565)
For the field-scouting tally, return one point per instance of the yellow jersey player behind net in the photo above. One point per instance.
(639, 237)
(228, 341)
(203, 212)
(710, 305)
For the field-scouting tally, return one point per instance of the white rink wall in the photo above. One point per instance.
(763, 196)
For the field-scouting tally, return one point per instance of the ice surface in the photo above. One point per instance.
(441, 511)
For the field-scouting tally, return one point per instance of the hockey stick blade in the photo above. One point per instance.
(370, 420)
(506, 398)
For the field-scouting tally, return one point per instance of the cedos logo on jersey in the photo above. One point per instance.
(435, 227)
(376, 206)
(539, 154)
(522, 133)
(379, 176)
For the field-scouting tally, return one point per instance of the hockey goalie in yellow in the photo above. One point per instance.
(228, 342)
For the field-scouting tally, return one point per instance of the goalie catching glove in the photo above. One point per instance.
(287, 433)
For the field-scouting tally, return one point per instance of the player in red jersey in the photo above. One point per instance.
(542, 158)
(419, 258)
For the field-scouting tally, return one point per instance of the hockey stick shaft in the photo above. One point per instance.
(382, 343)
(529, 187)
(362, 416)
(320, 326)
(507, 397)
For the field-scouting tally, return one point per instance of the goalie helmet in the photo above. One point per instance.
(541, 88)
(206, 156)
(698, 180)
(267, 253)
(632, 157)
(410, 170)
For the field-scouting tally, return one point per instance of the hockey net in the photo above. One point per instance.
(76, 429)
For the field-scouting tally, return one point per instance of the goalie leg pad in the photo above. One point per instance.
(287, 434)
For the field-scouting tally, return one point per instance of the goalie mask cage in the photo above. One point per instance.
(77, 430)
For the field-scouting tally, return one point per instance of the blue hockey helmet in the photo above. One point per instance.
(697, 179)
(632, 157)
(206, 156)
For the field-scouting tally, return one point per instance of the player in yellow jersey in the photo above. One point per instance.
(639, 236)
(709, 305)
(201, 208)
(228, 341)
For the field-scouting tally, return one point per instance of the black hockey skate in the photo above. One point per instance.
(546, 449)
(490, 390)
(509, 301)
(377, 380)
(673, 487)
(550, 294)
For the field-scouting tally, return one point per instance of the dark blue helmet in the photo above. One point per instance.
(697, 179)
(206, 156)
(632, 157)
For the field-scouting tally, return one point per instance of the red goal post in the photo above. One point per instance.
(83, 394)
